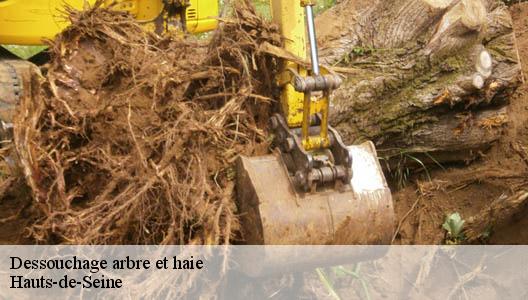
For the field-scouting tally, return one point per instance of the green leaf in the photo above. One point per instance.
(24, 52)
(359, 51)
(454, 225)
(327, 283)
(339, 272)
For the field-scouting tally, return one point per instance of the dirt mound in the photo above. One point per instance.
(129, 137)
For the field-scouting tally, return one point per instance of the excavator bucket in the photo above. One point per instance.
(15, 81)
(274, 212)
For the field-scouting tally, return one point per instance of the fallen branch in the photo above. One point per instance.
(500, 212)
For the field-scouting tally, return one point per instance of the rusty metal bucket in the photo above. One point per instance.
(15, 81)
(272, 212)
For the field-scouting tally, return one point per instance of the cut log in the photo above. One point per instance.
(424, 75)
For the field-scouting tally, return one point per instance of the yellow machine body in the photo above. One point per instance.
(299, 108)
(290, 15)
(28, 22)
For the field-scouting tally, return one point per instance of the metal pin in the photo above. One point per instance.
(313, 41)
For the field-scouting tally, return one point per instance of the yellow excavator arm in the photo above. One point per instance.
(314, 189)
(28, 22)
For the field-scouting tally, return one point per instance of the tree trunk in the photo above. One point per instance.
(422, 76)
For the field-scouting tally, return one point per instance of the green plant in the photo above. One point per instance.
(486, 234)
(401, 171)
(327, 282)
(454, 224)
(263, 7)
(24, 52)
(340, 272)
(359, 51)
(323, 5)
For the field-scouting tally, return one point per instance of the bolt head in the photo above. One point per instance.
(299, 84)
(300, 179)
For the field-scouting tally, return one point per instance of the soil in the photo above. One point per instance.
(423, 204)
(14, 214)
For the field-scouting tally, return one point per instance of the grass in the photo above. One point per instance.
(341, 272)
(263, 7)
(327, 282)
(323, 5)
(401, 172)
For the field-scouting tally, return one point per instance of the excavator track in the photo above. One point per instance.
(14, 79)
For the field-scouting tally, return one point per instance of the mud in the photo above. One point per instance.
(16, 214)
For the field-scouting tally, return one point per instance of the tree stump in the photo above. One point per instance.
(422, 76)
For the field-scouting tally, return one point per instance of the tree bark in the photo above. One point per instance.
(422, 76)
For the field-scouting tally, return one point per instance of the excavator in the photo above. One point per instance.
(313, 189)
